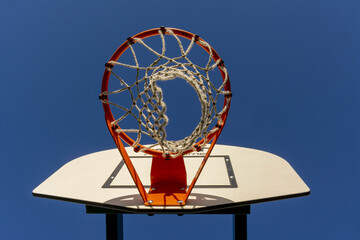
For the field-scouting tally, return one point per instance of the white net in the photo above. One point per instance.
(147, 106)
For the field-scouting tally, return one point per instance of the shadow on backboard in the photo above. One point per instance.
(195, 200)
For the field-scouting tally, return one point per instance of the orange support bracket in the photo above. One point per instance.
(168, 182)
(167, 176)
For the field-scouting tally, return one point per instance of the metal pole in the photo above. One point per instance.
(114, 227)
(240, 227)
(114, 220)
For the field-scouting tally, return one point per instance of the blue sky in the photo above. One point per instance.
(294, 70)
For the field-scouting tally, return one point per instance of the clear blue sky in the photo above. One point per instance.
(294, 68)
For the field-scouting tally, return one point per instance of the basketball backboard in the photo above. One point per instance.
(232, 177)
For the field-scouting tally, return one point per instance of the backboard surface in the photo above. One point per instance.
(232, 177)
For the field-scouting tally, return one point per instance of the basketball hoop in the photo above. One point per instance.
(147, 108)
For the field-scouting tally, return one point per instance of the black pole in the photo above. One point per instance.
(114, 220)
(114, 227)
(240, 226)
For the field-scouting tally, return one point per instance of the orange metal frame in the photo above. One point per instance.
(168, 177)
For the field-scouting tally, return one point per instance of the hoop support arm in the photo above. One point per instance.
(128, 162)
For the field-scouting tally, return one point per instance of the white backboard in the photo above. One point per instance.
(232, 177)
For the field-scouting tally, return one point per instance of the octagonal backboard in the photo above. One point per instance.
(232, 177)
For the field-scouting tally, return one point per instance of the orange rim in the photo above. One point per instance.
(154, 32)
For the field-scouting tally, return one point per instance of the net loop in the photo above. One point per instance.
(148, 106)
